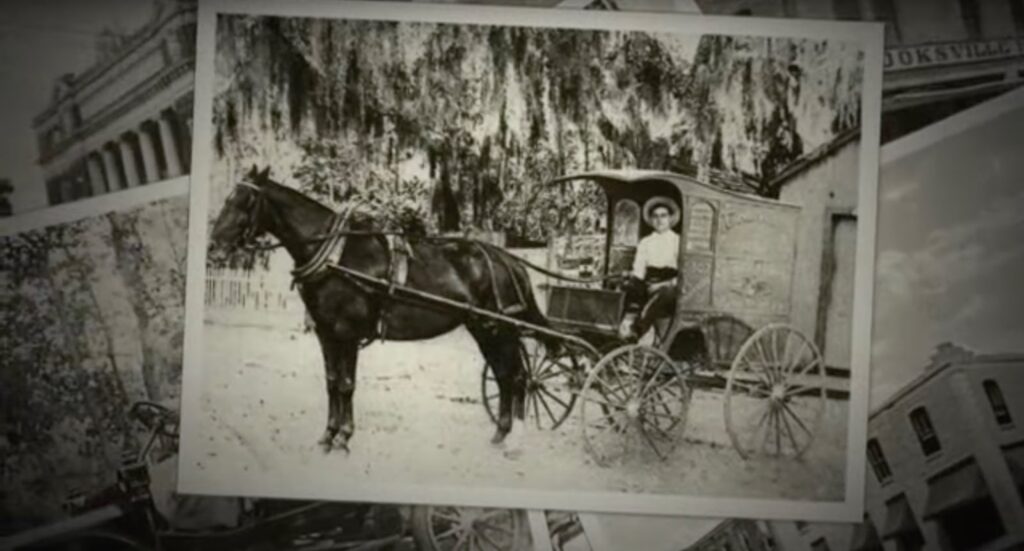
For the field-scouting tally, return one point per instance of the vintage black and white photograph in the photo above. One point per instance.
(435, 259)
(945, 457)
(93, 316)
(97, 98)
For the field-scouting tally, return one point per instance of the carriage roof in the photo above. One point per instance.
(626, 182)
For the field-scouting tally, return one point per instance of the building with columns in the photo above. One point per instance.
(126, 120)
(942, 56)
(946, 464)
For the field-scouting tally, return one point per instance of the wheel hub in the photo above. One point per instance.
(633, 409)
(778, 393)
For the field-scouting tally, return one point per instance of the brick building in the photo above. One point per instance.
(126, 120)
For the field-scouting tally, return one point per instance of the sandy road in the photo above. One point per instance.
(419, 420)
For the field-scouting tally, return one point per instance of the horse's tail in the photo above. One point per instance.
(531, 313)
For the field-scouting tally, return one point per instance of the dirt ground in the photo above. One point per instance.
(420, 420)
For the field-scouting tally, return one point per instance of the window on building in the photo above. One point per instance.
(970, 13)
(1017, 10)
(847, 9)
(925, 431)
(998, 403)
(819, 544)
(885, 11)
(877, 460)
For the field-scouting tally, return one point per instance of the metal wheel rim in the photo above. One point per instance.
(779, 421)
(648, 406)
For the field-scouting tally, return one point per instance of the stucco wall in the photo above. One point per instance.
(961, 418)
(830, 185)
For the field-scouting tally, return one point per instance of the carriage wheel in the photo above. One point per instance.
(552, 384)
(635, 400)
(469, 528)
(775, 396)
(723, 336)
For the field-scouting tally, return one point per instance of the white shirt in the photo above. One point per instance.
(657, 250)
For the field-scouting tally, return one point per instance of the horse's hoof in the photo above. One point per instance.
(340, 442)
(325, 446)
(498, 437)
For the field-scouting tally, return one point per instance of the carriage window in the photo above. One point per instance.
(701, 223)
(925, 431)
(998, 403)
(627, 223)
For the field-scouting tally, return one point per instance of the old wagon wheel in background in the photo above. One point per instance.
(634, 400)
(775, 397)
(723, 336)
(552, 383)
(469, 528)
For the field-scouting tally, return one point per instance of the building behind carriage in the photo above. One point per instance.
(941, 56)
(126, 120)
(946, 464)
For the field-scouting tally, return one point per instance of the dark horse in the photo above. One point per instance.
(347, 313)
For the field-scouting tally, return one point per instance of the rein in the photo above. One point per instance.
(334, 240)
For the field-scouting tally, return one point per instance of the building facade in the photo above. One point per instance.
(126, 120)
(941, 57)
(946, 464)
(737, 535)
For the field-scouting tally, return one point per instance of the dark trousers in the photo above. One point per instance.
(661, 304)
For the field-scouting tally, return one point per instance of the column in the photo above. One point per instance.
(96, 183)
(170, 148)
(110, 167)
(131, 170)
(150, 169)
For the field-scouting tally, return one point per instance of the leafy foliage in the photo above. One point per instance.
(461, 125)
(82, 340)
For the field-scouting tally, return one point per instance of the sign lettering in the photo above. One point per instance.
(698, 234)
(950, 53)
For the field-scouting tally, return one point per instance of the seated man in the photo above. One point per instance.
(657, 265)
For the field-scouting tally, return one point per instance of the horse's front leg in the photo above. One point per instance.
(346, 388)
(330, 352)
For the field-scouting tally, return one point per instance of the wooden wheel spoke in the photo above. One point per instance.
(536, 409)
(760, 424)
(792, 362)
(751, 389)
(759, 373)
(650, 442)
(552, 395)
(652, 380)
(789, 433)
(799, 422)
(448, 516)
(797, 390)
(606, 389)
(450, 532)
(540, 398)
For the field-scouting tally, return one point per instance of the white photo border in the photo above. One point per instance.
(868, 35)
(94, 206)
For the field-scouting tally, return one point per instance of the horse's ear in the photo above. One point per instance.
(253, 172)
(265, 175)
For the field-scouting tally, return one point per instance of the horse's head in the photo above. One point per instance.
(243, 216)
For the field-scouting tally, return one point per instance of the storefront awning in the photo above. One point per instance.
(956, 489)
(899, 520)
(865, 538)
(1015, 461)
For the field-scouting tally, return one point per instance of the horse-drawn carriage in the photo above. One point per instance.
(736, 260)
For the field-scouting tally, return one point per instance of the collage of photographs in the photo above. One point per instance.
(723, 275)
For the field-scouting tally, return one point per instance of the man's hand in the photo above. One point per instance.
(655, 287)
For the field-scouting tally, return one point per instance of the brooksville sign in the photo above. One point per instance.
(951, 53)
